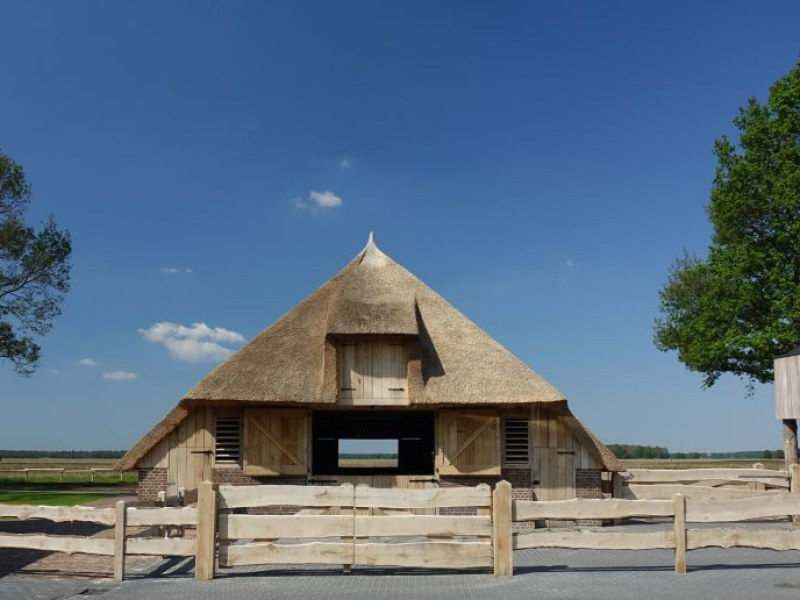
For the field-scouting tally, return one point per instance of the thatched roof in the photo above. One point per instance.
(460, 363)
(293, 360)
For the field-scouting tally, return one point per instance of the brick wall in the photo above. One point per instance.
(151, 481)
(235, 476)
(589, 485)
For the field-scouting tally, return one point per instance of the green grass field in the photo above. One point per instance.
(49, 498)
(10, 475)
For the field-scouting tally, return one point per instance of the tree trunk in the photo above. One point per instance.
(790, 441)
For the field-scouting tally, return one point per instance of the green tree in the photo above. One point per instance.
(34, 271)
(738, 308)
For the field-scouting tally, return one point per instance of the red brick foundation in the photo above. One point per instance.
(151, 481)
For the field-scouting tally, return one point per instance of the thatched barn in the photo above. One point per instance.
(373, 359)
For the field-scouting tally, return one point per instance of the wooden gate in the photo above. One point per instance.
(360, 525)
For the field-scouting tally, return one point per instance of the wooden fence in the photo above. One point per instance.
(680, 509)
(61, 471)
(719, 484)
(346, 525)
(121, 517)
(358, 526)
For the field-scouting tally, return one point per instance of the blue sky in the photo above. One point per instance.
(539, 165)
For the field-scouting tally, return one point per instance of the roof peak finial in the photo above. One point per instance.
(371, 255)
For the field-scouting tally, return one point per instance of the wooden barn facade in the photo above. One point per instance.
(376, 358)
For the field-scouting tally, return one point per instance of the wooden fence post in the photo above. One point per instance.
(757, 486)
(680, 533)
(501, 530)
(205, 544)
(794, 472)
(119, 541)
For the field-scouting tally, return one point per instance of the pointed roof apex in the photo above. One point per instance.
(371, 254)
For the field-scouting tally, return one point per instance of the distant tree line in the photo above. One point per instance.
(640, 451)
(61, 454)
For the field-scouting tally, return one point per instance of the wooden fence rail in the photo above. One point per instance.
(61, 471)
(716, 483)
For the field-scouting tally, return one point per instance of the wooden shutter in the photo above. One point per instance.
(275, 442)
(468, 443)
(373, 373)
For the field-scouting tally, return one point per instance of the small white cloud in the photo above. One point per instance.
(318, 201)
(196, 343)
(87, 362)
(175, 270)
(569, 264)
(325, 199)
(54, 372)
(119, 376)
(345, 164)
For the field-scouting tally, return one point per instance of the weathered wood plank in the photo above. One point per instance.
(160, 546)
(717, 511)
(119, 541)
(772, 478)
(595, 540)
(232, 527)
(502, 547)
(679, 529)
(60, 543)
(769, 539)
(430, 498)
(148, 517)
(426, 554)
(524, 510)
(59, 514)
(695, 492)
(422, 525)
(206, 531)
(234, 496)
(261, 553)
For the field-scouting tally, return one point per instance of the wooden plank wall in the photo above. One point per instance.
(556, 455)
(184, 452)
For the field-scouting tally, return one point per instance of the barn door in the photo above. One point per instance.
(468, 443)
(275, 442)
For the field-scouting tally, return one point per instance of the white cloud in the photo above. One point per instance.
(196, 343)
(325, 199)
(120, 375)
(345, 164)
(175, 270)
(87, 362)
(318, 201)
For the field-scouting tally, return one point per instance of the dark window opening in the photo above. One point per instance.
(372, 443)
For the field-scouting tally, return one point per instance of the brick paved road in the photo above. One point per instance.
(540, 574)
